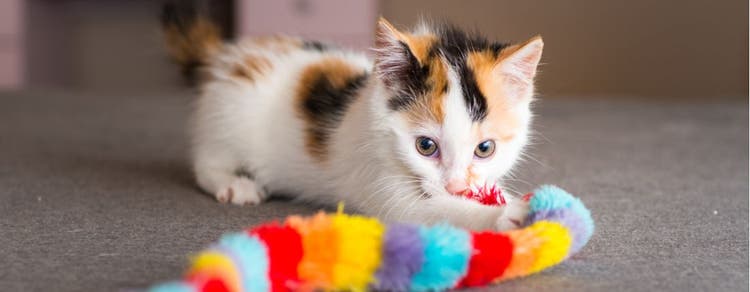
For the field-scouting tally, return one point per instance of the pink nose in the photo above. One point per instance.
(456, 186)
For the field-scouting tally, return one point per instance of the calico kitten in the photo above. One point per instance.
(436, 114)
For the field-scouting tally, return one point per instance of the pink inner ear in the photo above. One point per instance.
(523, 62)
(519, 68)
(389, 52)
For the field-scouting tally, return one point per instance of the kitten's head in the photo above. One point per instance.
(457, 103)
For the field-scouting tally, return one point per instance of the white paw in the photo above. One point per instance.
(242, 191)
(514, 215)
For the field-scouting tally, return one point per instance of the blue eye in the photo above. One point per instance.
(426, 146)
(485, 149)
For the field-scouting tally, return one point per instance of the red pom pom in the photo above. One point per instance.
(207, 284)
(492, 254)
(214, 285)
(284, 253)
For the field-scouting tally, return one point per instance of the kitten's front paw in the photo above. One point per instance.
(514, 215)
(242, 191)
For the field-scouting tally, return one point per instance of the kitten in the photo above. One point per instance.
(436, 114)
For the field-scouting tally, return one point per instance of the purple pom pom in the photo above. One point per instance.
(403, 255)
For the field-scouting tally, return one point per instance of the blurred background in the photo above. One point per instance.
(619, 49)
(643, 113)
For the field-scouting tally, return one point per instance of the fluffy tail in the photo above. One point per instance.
(190, 37)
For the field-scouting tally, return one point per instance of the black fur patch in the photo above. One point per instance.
(179, 16)
(455, 45)
(315, 46)
(475, 101)
(325, 105)
(412, 79)
(400, 102)
(182, 16)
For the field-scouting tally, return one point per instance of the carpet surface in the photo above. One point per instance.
(96, 193)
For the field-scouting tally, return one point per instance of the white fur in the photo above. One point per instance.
(372, 165)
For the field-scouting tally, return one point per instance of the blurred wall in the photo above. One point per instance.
(103, 45)
(693, 48)
(658, 49)
(348, 23)
(11, 43)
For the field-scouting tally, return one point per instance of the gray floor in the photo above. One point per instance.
(95, 193)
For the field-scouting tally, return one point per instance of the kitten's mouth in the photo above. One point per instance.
(491, 195)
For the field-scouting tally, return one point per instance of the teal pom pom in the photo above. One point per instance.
(252, 256)
(549, 197)
(172, 287)
(446, 258)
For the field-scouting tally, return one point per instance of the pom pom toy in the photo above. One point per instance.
(357, 253)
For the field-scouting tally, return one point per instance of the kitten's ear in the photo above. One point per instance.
(392, 54)
(518, 65)
(386, 35)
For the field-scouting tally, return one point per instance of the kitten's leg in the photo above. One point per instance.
(218, 175)
(514, 214)
(465, 213)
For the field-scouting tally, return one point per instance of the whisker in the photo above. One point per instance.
(384, 188)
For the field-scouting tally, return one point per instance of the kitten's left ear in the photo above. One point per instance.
(518, 65)
(393, 57)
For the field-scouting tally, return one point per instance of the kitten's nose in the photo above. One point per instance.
(456, 186)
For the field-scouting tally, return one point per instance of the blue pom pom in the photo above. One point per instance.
(172, 287)
(250, 256)
(446, 258)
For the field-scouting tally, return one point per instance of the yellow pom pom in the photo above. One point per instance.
(359, 243)
(556, 243)
(214, 264)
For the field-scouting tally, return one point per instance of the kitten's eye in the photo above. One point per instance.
(426, 146)
(485, 149)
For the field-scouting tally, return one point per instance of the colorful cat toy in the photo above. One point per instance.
(348, 252)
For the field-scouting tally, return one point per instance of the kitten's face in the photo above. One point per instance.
(459, 106)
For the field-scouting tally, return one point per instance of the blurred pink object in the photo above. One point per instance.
(11, 44)
(343, 22)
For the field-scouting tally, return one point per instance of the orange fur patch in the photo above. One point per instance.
(438, 82)
(279, 43)
(201, 39)
(252, 67)
(501, 123)
(430, 107)
(419, 45)
(335, 70)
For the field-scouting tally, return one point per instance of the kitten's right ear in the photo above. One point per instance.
(393, 57)
(518, 64)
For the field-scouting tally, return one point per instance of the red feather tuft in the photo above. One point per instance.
(491, 195)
